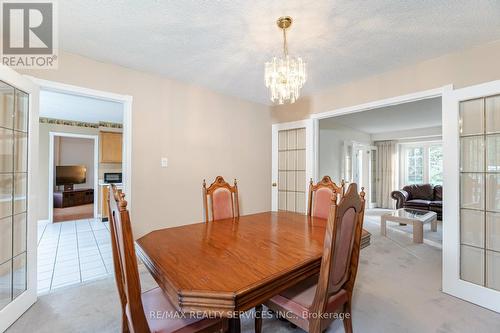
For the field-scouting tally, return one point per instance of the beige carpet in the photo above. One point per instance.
(397, 290)
(74, 213)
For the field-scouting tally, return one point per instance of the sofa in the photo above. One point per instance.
(420, 196)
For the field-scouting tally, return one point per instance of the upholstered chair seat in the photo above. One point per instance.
(163, 317)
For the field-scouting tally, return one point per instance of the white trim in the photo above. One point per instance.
(126, 100)
(51, 168)
(452, 284)
(12, 311)
(308, 124)
(413, 97)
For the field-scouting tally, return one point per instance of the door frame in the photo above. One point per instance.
(12, 311)
(125, 100)
(308, 124)
(452, 284)
(95, 138)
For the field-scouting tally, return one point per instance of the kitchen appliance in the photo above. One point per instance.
(113, 177)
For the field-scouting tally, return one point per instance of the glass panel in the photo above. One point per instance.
(301, 181)
(282, 137)
(472, 227)
(493, 192)
(414, 165)
(301, 160)
(292, 139)
(6, 105)
(21, 115)
(5, 283)
(282, 180)
(472, 264)
(471, 191)
(493, 153)
(291, 160)
(282, 160)
(493, 114)
(6, 150)
(493, 231)
(472, 117)
(493, 270)
(5, 239)
(301, 138)
(281, 200)
(19, 275)
(19, 238)
(290, 201)
(301, 203)
(5, 195)
(435, 165)
(290, 180)
(20, 193)
(20, 152)
(472, 154)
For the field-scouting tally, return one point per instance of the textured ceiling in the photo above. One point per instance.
(71, 107)
(421, 114)
(223, 44)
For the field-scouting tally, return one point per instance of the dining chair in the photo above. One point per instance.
(222, 198)
(150, 311)
(316, 302)
(320, 196)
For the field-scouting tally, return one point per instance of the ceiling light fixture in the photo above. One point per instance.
(285, 76)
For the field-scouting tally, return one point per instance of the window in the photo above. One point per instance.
(422, 163)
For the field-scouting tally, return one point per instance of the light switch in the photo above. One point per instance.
(164, 162)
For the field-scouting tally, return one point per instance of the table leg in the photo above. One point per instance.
(434, 225)
(418, 232)
(383, 226)
(234, 325)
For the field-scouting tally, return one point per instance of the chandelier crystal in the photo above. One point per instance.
(285, 76)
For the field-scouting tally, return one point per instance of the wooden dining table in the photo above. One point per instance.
(226, 267)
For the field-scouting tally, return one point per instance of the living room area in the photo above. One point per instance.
(395, 152)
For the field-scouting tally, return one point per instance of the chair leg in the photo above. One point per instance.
(347, 317)
(258, 319)
(125, 324)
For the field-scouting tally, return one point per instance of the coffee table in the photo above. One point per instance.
(415, 217)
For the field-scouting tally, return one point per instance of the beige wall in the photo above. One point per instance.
(203, 134)
(468, 67)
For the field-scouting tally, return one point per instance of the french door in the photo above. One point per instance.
(471, 185)
(292, 161)
(18, 165)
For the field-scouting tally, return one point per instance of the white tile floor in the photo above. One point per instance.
(72, 252)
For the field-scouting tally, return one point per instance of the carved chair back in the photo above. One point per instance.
(320, 196)
(125, 263)
(341, 249)
(220, 200)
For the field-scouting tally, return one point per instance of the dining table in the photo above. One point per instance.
(226, 267)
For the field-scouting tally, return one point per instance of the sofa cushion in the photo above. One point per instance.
(438, 193)
(418, 203)
(420, 191)
(436, 204)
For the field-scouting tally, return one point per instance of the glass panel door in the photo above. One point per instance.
(13, 192)
(292, 170)
(480, 191)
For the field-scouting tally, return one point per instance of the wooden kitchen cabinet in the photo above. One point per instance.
(111, 147)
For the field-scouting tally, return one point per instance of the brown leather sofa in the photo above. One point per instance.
(420, 196)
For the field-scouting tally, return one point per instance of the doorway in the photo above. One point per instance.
(75, 169)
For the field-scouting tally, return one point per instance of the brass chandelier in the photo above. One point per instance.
(285, 76)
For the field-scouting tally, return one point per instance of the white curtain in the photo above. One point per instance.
(386, 172)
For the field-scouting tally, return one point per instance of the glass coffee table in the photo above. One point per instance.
(415, 217)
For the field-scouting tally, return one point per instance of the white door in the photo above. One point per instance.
(292, 156)
(18, 168)
(471, 216)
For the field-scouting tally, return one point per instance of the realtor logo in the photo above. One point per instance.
(29, 34)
